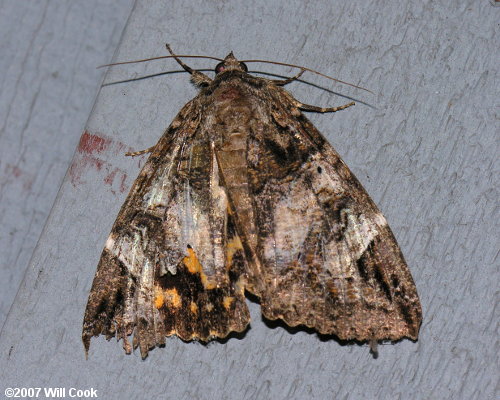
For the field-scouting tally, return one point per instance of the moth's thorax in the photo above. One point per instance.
(233, 109)
(234, 86)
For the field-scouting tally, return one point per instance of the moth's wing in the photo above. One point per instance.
(329, 259)
(169, 264)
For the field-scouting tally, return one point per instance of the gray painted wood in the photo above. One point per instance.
(424, 147)
(49, 51)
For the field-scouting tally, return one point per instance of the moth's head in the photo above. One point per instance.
(230, 63)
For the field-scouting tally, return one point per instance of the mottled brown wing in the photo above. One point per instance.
(171, 264)
(325, 256)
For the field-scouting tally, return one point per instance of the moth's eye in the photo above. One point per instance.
(243, 67)
(220, 67)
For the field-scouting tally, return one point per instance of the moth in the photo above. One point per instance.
(242, 194)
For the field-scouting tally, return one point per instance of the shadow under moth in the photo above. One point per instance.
(243, 194)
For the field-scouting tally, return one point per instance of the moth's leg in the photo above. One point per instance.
(283, 82)
(307, 107)
(138, 153)
(197, 77)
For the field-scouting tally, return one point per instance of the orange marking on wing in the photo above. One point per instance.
(194, 308)
(227, 301)
(159, 299)
(334, 290)
(351, 292)
(173, 298)
(193, 265)
(232, 247)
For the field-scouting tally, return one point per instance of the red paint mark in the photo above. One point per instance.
(111, 177)
(97, 143)
(116, 175)
(91, 155)
(14, 170)
(123, 185)
(25, 178)
(93, 143)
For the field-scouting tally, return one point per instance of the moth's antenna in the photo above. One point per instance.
(308, 69)
(158, 58)
(244, 61)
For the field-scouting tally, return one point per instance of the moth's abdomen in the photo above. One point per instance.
(235, 120)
